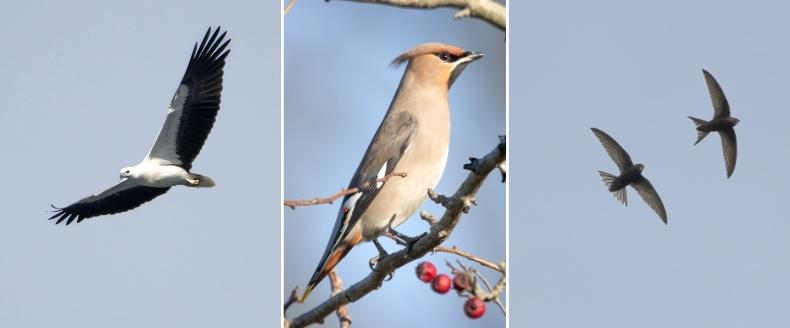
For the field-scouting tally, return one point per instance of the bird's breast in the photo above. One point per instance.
(161, 176)
(400, 197)
(718, 124)
(630, 175)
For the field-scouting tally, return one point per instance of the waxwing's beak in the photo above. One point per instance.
(461, 63)
(471, 56)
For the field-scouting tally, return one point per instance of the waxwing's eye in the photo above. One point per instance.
(445, 57)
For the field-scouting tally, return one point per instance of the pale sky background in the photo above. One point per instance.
(338, 87)
(86, 85)
(633, 69)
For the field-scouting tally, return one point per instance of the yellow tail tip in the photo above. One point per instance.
(306, 293)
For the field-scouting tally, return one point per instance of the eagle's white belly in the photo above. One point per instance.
(154, 175)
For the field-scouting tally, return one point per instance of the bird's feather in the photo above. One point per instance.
(700, 134)
(615, 151)
(124, 196)
(388, 146)
(730, 146)
(650, 196)
(195, 104)
(720, 106)
(620, 194)
(391, 142)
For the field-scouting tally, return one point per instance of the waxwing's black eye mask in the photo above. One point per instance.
(446, 57)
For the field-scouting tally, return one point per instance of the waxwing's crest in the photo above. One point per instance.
(427, 48)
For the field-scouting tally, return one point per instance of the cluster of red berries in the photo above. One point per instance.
(474, 306)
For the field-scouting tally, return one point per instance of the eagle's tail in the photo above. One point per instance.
(201, 181)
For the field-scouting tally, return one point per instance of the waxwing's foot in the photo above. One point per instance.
(375, 260)
(402, 239)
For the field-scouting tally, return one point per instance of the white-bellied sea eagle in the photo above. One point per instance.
(190, 117)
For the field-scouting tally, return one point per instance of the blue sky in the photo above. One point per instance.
(86, 85)
(338, 86)
(633, 69)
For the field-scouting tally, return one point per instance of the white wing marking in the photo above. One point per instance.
(348, 208)
(164, 149)
(382, 173)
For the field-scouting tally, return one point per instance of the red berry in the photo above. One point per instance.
(474, 307)
(426, 271)
(461, 282)
(441, 284)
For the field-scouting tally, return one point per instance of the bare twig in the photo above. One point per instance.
(428, 217)
(438, 233)
(438, 198)
(487, 10)
(503, 166)
(293, 298)
(455, 250)
(499, 287)
(289, 6)
(343, 192)
(491, 293)
(336, 285)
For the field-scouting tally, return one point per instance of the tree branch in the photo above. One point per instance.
(457, 251)
(496, 290)
(438, 233)
(343, 192)
(293, 298)
(336, 286)
(452, 250)
(492, 293)
(487, 10)
(289, 6)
